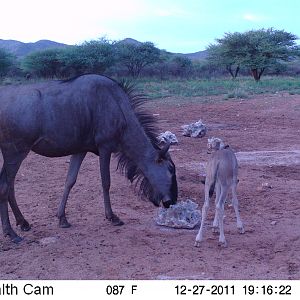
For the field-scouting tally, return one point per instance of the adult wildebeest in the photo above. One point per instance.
(90, 113)
(221, 174)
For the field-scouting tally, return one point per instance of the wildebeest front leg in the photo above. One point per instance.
(75, 163)
(104, 158)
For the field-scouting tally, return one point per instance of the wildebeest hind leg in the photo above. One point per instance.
(104, 158)
(24, 225)
(12, 161)
(75, 163)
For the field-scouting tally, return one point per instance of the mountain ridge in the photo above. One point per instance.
(21, 49)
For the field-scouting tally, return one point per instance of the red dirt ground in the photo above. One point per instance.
(93, 249)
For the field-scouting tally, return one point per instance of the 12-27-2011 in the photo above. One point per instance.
(202, 289)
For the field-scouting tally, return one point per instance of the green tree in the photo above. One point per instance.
(181, 66)
(135, 57)
(227, 53)
(256, 50)
(6, 62)
(90, 57)
(45, 63)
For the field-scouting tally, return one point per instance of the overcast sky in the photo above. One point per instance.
(174, 25)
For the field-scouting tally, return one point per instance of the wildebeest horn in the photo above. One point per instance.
(163, 151)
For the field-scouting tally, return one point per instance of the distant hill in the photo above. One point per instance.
(130, 41)
(21, 49)
(200, 55)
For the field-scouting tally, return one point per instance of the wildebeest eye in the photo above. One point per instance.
(159, 160)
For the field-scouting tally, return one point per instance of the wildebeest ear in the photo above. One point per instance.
(163, 151)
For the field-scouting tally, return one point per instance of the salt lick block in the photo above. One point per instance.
(184, 214)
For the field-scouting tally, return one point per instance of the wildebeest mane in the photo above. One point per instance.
(149, 124)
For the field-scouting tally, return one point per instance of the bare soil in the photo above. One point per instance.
(265, 131)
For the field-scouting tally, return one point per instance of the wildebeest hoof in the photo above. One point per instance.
(25, 226)
(17, 239)
(115, 221)
(63, 223)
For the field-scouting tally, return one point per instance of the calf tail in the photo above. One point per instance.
(211, 189)
(213, 184)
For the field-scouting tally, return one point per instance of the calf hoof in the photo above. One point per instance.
(241, 230)
(215, 229)
(197, 244)
(223, 244)
(63, 223)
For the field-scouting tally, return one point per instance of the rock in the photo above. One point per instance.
(184, 214)
(197, 129)
(168, 137)
(273, 223)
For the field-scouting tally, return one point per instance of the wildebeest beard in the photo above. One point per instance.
(145, 190)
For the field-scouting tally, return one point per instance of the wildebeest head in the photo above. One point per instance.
(164, 183)
(158, 183)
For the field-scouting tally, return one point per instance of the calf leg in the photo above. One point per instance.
(235, 204)
(104, 157)
(220, 213)
(216, 220)
(74, 167)
(199, 237)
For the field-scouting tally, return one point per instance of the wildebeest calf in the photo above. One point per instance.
(221, 174)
